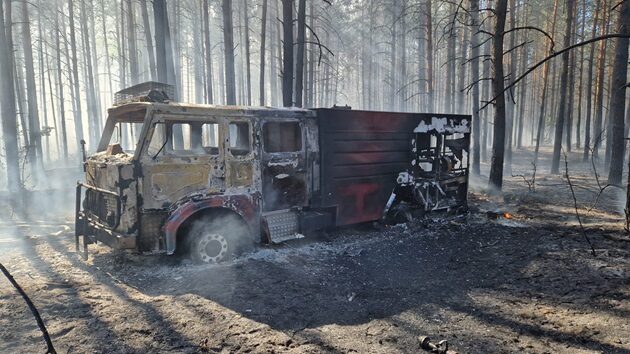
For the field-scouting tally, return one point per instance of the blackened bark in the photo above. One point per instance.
(263, 37)
(618, 99)
(564, 83)
(474, 78)
(208, 52)
(78, 119)
(299, 63)
(7, 106)
(498, 143)
(35, 137)
(228, 43)
(287, 45)
(148, 39)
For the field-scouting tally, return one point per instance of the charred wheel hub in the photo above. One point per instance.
(212, 248)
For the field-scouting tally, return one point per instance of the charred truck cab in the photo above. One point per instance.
(214, 180)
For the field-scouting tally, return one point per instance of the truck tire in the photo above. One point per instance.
(218, 239)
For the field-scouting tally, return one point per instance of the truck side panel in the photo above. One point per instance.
(362, 153)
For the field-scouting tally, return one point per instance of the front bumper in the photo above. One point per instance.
(93, 229)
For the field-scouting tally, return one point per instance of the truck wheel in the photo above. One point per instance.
(216, 240)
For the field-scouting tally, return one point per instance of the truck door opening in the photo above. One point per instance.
(284, 165)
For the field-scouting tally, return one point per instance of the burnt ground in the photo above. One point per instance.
(489, 285)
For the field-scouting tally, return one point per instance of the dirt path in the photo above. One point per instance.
(526, 284)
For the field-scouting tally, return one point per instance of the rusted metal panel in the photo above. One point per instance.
(362, 153)
(246, 206)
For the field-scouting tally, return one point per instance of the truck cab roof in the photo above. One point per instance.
(136, 111)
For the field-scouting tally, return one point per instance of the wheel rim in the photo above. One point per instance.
(212, 248)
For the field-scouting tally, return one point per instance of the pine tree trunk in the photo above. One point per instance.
(311, 59)
(589, 88)
(430, 55)
(299, 63)
(543, 92)
(78, 119)
(148, 39)
(598, 133)
(93, 115)
(60, 91)
(208, 52)
(110, 79)
(618, 99)
(273, 45)
(498, 143)
(564, 83)
(228, 43)
(7, 108)
(510, 107)
(287, 45)
(474, 78)
(42, 82)
(35, 136)
(263, 49)
(248, 70)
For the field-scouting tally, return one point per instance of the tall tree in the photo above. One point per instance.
(35, 136)
(474, 48)
(147, 37)
(208, 52)
(287, 45)
(60, 89)
(7, 109)
(228, 43)
(299, 63)
(618, 95)
(78, 118)
(498, 143)
(589, 87)
(564, 83)
(263, 37)
(248, 70)
(92, 104)
(543, 92)
(598, 133)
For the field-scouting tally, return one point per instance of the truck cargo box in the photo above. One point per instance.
(362, 153)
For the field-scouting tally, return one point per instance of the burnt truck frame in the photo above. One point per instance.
(242, 175)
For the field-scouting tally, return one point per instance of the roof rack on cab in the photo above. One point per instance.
(150, 91)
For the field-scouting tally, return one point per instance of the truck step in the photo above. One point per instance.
(283, 225)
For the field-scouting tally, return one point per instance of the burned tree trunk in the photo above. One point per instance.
(35, 136)
(228, 43)
(92, 104)
(589, 89)
(299, 63)
(78, 122)
(208, 51)
(618, 96)
(7, 106)
(599, 95)
(474, 48)
(60, 92)
(248, 70)
(430, 54)
(545, 79)
(263, 37)
(498, 143)
(564, 83)
(131, 44)
(287, 45)
(148, 39)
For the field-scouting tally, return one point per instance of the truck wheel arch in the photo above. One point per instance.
(189, 211)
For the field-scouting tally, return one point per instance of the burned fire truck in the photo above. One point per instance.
(214, 180)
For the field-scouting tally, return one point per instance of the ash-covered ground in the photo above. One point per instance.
(487, 284)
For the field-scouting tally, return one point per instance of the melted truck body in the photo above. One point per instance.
(282, 173)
